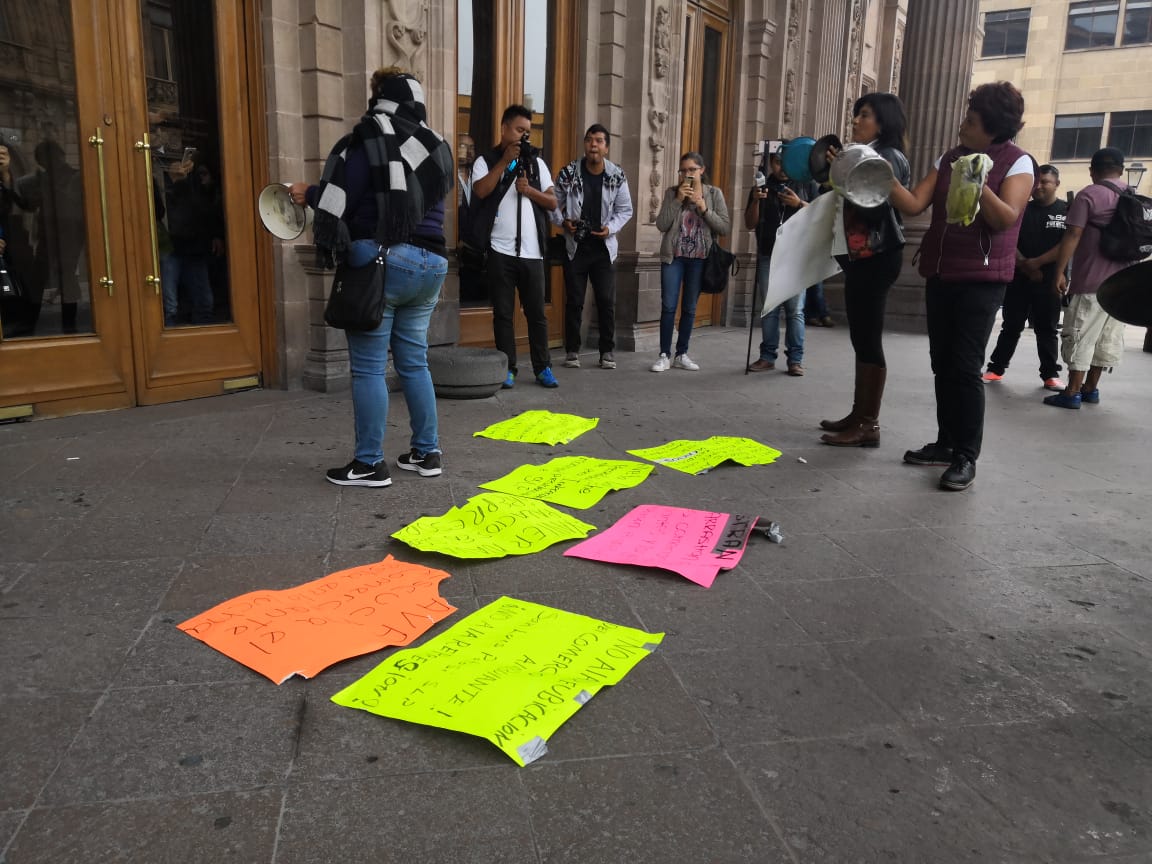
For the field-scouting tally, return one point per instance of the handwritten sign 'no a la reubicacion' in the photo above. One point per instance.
(696, 457)
(513, 672)
(539, 427)
(697, 544)
(572, 481)
(304, 630)
(492, 525)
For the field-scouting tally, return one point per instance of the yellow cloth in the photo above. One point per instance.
(968, 176)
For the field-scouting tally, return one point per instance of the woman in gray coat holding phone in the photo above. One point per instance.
(692, 215)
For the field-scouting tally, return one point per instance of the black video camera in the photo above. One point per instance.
(529, 153)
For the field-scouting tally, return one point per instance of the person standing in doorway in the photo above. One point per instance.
(592, 204)
(693, 215)
(1029, 296)
(512, 198)
(770, 206)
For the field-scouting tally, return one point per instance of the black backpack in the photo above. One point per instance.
(1128, 237)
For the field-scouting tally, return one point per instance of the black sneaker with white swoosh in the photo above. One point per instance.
(357, 473)
(427, 464)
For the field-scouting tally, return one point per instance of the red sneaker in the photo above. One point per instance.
(993, 376)
(1054, 384)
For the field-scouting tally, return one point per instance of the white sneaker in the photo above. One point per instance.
(663, 364)
(572, 360)
(683, 361)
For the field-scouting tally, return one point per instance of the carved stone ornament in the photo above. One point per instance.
(791, 58)
(658, 99)
(897, 59)
(855, 59)
(406, 30)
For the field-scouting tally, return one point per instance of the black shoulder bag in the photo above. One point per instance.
(357, 298)
(719, 264)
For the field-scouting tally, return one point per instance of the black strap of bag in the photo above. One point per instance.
(356, 301)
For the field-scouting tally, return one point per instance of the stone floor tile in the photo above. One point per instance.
(271, 496)
(1017, 545)
(443, 817)
(54, 588)
(11, 573)
(777, 693)
(880, 797)
(168, 741)
(198, 829)
(265, 533)
(1133, 727)
(165, 655)
(907, 550)
(1090, 670)
(854, 609)
(801, 557)
(10, 821)
(156, 534)
(695, 617)
(78, 652)
(991, 600)
(1113, 596)
(208, 579)
(835, 514)
(37, 732)
(1062, 783)
(946, 680)
(679, 806)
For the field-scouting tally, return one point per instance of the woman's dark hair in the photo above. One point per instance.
(699, 160)
(1001, 109)
(889, 111)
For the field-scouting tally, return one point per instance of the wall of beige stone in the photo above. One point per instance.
(1055, 81)
(798, 64)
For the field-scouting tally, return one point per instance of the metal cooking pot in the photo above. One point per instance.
(1127, 294)
(861, 175)
(794, 156)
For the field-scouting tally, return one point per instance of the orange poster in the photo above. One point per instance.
(304, 630)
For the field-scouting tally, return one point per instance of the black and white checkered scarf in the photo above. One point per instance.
(411, 169)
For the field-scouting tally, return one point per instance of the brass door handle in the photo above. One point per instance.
(153, 278)
(98, 142)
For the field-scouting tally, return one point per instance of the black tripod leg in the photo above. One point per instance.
(752, 322)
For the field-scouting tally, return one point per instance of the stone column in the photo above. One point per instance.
(935, 78)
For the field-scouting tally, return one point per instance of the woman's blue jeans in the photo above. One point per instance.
(793, 309)
(688, 271)
(411, 286)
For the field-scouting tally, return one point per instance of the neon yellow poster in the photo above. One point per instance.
(539, 427)
(492, 525)
(512, 672)
(572, 481)
(696, 457)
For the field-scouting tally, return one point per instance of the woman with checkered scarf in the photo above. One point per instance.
(382, 192)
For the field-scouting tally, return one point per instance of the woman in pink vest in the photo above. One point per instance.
(967, 268)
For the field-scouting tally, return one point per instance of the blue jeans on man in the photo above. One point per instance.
(412, 288)
(770, 324)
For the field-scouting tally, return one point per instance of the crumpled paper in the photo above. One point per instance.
(969, 174)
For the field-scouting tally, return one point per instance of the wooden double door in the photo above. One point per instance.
(127, 217)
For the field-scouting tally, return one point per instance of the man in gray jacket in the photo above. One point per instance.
(592, 204)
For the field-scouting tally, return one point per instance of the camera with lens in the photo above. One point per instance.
(583, 229)
(526, 164)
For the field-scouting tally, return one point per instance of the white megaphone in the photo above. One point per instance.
(282, 217)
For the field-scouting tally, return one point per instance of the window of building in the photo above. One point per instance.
(1131, 132)
(1092, 24)
(1077, 136)
(1006, 33)
(1137, 23)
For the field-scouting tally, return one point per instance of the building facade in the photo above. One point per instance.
(138, 145)
(1080, 66)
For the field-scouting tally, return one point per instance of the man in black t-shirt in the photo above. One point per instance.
(1029, 296)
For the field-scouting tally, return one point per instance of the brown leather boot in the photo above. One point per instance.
(853, 415)
(865, 432)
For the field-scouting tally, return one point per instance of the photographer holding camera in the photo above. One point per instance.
(593, 204)
(512, 198)
(769, 206)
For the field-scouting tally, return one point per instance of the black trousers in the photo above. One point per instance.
(866, 285)
(960, 320)
(591, 262)
(1036, 302)
(508, 275)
